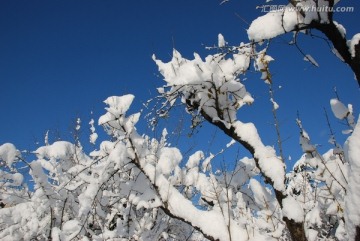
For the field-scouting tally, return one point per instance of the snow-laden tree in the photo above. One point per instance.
(309, 15)
(137, 187)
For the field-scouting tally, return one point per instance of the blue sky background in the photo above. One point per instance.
(60, 59)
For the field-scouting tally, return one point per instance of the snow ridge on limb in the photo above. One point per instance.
(295, 16)
(213, 88)
(302, 15)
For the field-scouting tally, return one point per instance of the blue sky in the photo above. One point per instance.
(60, 59)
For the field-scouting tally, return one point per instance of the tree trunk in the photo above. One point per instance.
(297, 231)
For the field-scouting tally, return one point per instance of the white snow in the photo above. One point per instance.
(16, 178)
(273, 24)
(169, 158)
(71, 228)
(181, 71)
(341, 29)
(93, 138)
(305, 143)
(8, 153)
(292, 210)
(352, 43)
(194, 159)
(78, 122)
(269, 162)
(339, 109)
(57, 150)
(352, 211)
(341, 231)
(221, 41)
(211, 222)
(46, 139)
(117, 107)
(285, 20)
(275, 105)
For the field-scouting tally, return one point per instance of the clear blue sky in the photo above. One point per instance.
(60, 59)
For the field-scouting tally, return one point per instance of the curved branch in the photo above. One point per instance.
(340, 44)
